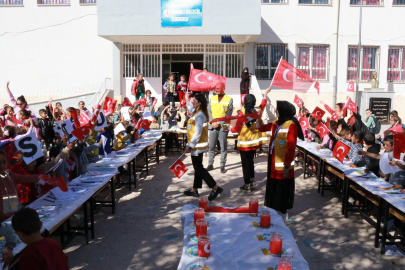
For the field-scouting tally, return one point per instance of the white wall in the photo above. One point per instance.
(143, 17)
(51, 56)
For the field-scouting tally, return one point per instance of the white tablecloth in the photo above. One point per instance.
(236, 243)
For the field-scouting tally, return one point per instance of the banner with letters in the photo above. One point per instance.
(180, 13)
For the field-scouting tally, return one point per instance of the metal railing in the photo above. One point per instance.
(101, 92)
(68, 91)
(11, 2)
(53, 2)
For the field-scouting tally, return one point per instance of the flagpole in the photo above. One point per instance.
(182, 155)
(271, 84)
(358, 57)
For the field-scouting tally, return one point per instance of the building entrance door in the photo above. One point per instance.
(179, 64)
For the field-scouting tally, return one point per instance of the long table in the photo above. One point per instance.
(237, 242)
(374, 189)
(103, 173)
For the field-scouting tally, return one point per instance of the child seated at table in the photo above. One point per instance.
(372, 164)
(356, 144)
(6, 230)
(154, 124)
(40, 253)
(121, 139)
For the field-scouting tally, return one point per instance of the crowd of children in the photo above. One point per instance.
(366, 145)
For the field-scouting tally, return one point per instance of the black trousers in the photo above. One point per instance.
(248, 166)
(200, 173)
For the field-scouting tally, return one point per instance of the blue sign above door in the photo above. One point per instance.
(181, 13)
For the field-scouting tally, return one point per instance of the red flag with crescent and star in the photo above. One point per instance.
(178, 168)
(350, 87)
(83, 131)
(340, 151)
(56, 181)
(304, 122)
(203, 81)
(399, 145)
(84, 118)
(322, 130)
(143, 124)
(97, 109)
(126, 102)
(318, 113)
(335, 117)
(291, 78)
(109, 106)
(298, 101)
(142, 102)
(350, 105)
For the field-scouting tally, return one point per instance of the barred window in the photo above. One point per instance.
(275, 1)
(369, 62)
(172, 47)
(151, 65)
(215, 63)
(88, 1)
(11, 2)
(398, 3)
(396, 64)
(193, 47)
(367, 2)
(315, 2)
(132, 65)
(53, 2)
(267, 57)
(314, 61)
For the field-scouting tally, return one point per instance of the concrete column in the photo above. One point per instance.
(250, 57)
(117, 69)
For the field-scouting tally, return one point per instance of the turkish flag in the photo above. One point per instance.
(82, 131)
(318, 113)
(350, 105)
(289, 77)
(204, 81)
(335, 117)
(246, 118)
(143, 124)
(304, 122)
(59, 182)
(142, 102)
(242, 99)
(397, 129)
(109, 106)
(340, 151)
(317, 87)
(178, 168)
(97, 109)
(75, 117)
(350, 87)
(322, 130)
(298, 101)
(126, 102)
(399, 145)
(84, 118)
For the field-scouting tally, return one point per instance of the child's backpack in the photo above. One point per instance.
(377, 127)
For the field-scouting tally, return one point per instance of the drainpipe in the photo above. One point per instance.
(335, 86)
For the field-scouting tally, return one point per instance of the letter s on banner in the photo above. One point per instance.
(29, 145)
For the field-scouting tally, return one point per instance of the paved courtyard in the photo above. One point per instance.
(146, 233)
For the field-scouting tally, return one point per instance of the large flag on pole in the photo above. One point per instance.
(203, 81)
(291, 78)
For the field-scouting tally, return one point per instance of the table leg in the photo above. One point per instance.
(304, 163)
(323, 186)
(134, 169)
(112, 194)
(129, 175)
(344, 194)
(377, 231)
(147, 161)
(322, 174)
(92, 217)
(385, 228)
(86, 223)
(158, 151)
(347, 197)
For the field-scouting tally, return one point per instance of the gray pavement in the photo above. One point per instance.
(146, 233)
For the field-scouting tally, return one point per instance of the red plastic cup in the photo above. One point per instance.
(276, 243)
(198, 214)
(253, 205)
(265, 219)
(284, 264)
(204, 246)
(201, 227)
(203, 203)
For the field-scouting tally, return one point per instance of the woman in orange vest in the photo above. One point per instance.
(280, 187)
(197, 136)
(249, 138)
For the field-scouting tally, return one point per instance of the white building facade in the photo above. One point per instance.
(45, 44)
